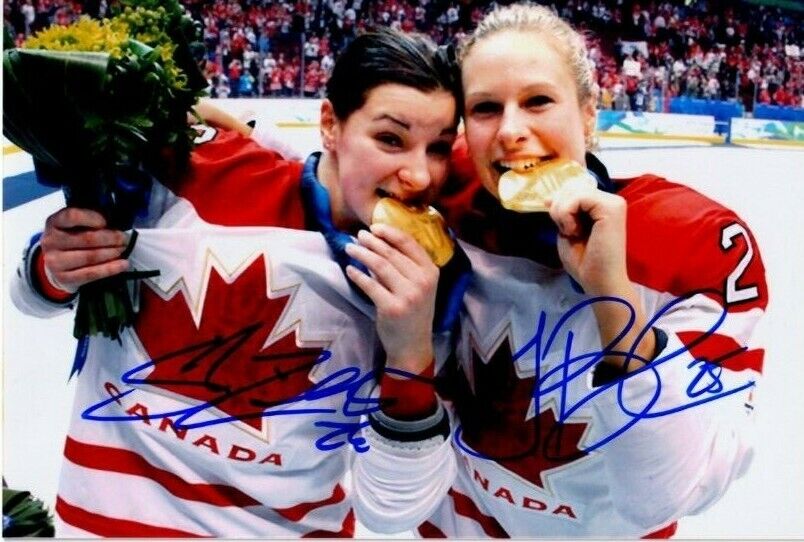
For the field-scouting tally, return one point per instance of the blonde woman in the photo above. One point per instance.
(603, 374)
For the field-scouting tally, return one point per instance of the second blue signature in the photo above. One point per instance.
(705, 384)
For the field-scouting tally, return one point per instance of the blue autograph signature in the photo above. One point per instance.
(348, 381)
(351, 382)
(705, 384)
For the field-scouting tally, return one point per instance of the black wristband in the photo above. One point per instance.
(411, 431)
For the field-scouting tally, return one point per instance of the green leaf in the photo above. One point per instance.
(47, 96)
(28, 515)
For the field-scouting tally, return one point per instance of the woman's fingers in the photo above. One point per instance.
(566, 207)
(372, 288)
(402, 242)
(77, 248)
(72, 228)
(381, 268)
(75, 259)
(73, 217)
(70, 281)
(576, 209)
(402, 276)
(83, 240)
(400, 249)
(402, 284)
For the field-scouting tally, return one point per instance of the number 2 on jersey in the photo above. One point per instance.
(734, 292)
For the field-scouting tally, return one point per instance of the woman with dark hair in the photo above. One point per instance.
(232, 407)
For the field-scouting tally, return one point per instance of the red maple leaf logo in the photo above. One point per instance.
(494, 423)
(222, 362)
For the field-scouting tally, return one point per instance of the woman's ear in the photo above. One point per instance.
(329, 125)
(589, 113)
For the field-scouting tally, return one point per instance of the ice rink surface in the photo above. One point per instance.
(764, 186)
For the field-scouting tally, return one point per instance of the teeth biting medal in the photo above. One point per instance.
(424, 224)
(525, 189)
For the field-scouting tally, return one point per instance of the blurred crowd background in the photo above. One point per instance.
(645, 52)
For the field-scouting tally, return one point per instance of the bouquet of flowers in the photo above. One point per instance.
(102, 105)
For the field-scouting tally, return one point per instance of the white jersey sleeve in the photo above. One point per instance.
(698, 392)
(266, 133)
(23, 283)
(23, 291)
(401, 479)
(676, 464)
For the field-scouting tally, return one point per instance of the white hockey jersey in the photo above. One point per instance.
(543, 452)
(232, 407)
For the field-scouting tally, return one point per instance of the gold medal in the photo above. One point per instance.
(424, 224)
(526, 191)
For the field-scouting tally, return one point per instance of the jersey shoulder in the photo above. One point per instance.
(232, 181)
(680, 241)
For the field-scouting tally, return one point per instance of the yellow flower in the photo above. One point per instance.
(111, 35)
(84, 35)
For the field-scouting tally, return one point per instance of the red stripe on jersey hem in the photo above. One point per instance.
(428, 530)
(722, 350)
(105, 458)
(664, 532)
(295, 513)
(347, 529)
(464, 506)
(114, 527)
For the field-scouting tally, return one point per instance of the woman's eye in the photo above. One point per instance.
(392, 140)
(485, 108)
(538, 101)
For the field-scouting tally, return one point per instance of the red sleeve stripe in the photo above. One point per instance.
(105, 458)
(114, 527)
(50, 291)
(409, 398)
(722, 350)
(428, 530)
(347, 529)
(464, 506)
(295, 513)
